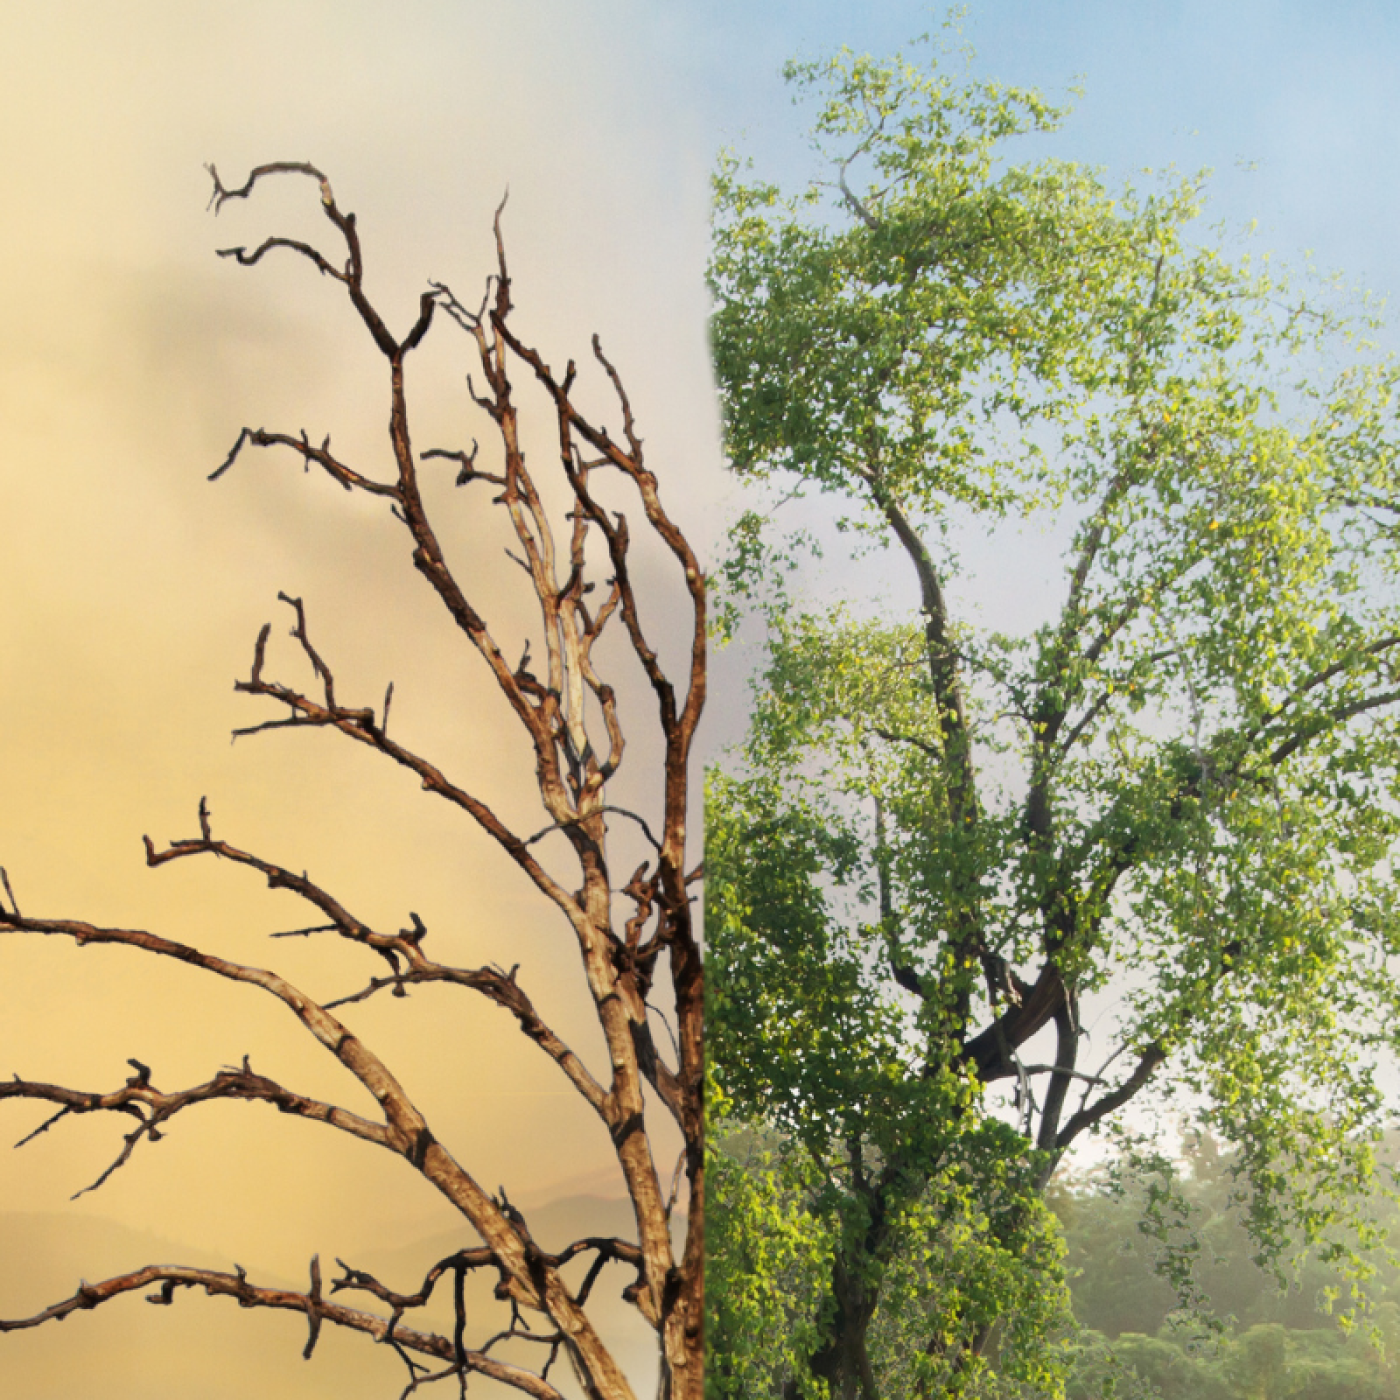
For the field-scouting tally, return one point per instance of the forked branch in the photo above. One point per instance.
(579, 570)
(168, 1278)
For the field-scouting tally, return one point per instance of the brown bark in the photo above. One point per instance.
(572, 717)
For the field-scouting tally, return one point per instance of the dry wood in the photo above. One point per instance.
(572, 717)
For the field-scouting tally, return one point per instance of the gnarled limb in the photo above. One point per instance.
(318, 1310)
(578, 567)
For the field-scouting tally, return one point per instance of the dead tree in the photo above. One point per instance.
(631, 931)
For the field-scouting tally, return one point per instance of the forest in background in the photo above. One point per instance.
(1233, 1330)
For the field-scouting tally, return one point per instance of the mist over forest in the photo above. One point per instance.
(1235, 1329)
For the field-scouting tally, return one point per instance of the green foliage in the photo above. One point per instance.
(766, 1256)
(861, 1158)
(1266, 1362)
(1270, 1332)
(1174, 800)
(951, 1273)
(1117, 1236)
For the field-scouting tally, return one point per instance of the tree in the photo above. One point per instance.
(574, 543)
(1140, 848)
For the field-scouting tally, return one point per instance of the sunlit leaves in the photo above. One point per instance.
(1177, 794)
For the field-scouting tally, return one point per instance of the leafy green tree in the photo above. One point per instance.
(1169, 806)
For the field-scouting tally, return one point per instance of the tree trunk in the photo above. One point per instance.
(843, 1361)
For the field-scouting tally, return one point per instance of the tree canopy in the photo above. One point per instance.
(1137, 850)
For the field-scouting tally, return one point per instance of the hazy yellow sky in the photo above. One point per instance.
(131, 589)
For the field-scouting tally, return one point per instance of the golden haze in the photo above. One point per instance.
(131, 591)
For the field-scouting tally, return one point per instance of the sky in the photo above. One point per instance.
(131, 589)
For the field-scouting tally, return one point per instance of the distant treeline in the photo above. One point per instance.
(1226, 1328)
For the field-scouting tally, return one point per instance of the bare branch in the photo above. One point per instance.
(570, 714)
(313, 1308)
(222, 195)
(359, 724)
(153, 1109)
(466, 461)
(350, 479)
(606, 807)
(170, 1277)
(406, 946)
(1148, 1062)
(244, 258)
(5, 881)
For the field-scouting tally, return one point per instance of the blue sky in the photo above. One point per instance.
(1303, 92)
